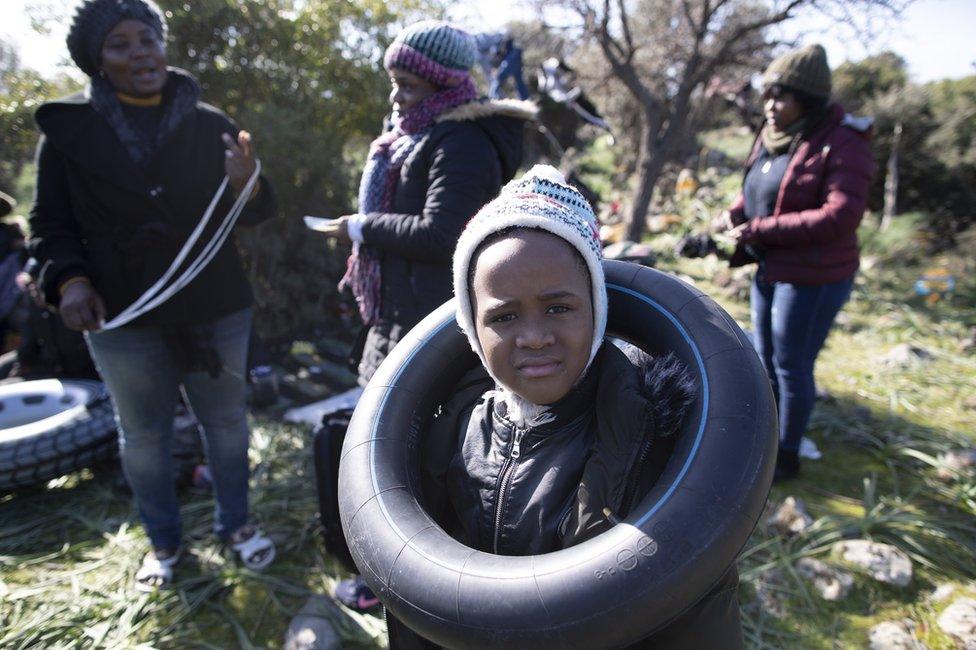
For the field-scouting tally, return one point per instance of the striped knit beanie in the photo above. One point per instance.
(804, 69)
(434, 50)
(94, 19)
(540, 200)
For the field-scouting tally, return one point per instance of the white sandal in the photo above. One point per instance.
(155, 574)
(256, 551)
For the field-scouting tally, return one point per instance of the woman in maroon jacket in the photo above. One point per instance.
(803, 197)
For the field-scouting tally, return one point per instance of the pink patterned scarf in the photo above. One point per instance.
(378, 185)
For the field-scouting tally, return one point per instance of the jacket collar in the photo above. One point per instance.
(834, 115)
(577, 402)
(78, 132)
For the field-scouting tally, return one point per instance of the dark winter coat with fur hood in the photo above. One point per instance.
(457, 167)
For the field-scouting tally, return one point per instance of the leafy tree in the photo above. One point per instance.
(937, 168)
(953, 105)
(22, 90)
(857, 82)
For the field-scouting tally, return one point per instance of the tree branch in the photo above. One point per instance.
(730, 42)
(692, 24)
(625, 26)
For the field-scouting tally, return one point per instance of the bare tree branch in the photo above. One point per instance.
(692, 24)
(625, 26)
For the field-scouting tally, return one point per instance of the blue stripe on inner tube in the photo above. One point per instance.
(704, 414)
(684, 469)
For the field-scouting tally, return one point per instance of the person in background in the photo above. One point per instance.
(803, 197)
(509, 66)
(124, 172)
(486, 46)
(446, 155)
(47, 348)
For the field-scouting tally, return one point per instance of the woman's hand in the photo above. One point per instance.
(737, 233)
(722, 222)
(241, 160)
(81, 307)
(337, 229)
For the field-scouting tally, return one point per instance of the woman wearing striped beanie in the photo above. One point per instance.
(447, 154)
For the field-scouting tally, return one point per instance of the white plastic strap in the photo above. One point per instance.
(157, 294)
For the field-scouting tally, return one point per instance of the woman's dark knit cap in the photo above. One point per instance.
(805, 70)
(94, 19)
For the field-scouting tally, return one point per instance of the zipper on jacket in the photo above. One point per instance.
(504, 478)
(635, 475)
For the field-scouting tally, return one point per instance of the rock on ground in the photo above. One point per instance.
(942, 592)
(905, 355)
(832, 583)
(959, 621)
(957, 462)
(312, 627)
(882, 562)
(894, 635)
(769, 586)
(790, 518)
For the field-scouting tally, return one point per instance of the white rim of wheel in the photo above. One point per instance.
(32, 407)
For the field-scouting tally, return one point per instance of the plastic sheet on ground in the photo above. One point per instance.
(314, 412)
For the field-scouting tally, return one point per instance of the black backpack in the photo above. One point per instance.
(328, 439)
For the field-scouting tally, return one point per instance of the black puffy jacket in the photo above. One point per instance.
(99, 214)
(461, 164)
(517, 491)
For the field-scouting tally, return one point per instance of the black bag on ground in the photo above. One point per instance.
(327, 443)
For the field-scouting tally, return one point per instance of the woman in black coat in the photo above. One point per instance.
(447, 155)
(125, 172)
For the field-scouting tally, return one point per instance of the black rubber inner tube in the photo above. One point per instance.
(611, 590)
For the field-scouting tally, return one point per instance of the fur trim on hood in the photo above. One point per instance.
(519, 109)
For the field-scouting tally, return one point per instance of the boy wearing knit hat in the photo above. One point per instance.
(505, 468)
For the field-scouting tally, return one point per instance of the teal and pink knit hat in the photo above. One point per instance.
(434, 50)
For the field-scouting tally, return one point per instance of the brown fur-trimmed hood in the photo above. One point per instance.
(503, 120)
(477, 110)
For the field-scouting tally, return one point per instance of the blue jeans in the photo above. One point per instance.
(791, 323)
(144, 378)
(511, 66)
